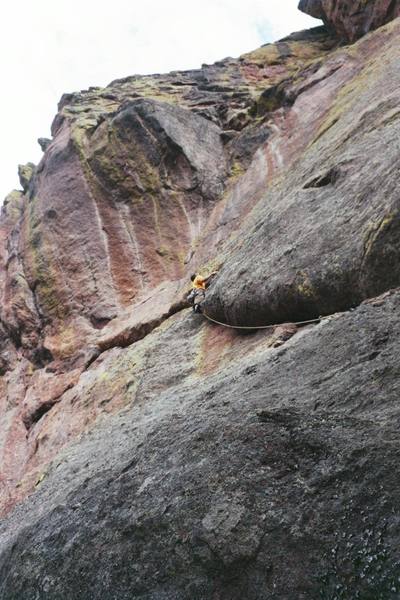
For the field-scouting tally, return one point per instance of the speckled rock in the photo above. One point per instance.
(226, 486)
(326, 234)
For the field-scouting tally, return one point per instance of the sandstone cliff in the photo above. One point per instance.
(147, 453)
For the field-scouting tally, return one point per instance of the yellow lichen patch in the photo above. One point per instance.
(237, 170)
(289, 57)
(346, 96)
(305, 287)
(214, 264)
(366, 73)
(40, 479)
(40, 262)
(156, 211)
(13, 205)
(266, 55)
(113, 387)
(375, 229)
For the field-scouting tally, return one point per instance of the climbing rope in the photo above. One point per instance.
(263, 326)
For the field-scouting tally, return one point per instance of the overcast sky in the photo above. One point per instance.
(48, 47)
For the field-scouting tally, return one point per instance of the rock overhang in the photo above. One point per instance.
(352, 19)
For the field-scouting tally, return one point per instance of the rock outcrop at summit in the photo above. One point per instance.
(147, 453)
(351, 19)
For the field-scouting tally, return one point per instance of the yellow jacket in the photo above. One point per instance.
(199, 283)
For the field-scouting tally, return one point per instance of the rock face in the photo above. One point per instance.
(351, 19)
(264, 491)
(148, 453)
(329, 228)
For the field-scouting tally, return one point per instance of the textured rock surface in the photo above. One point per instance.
(227, 486)
(351, 19)
(147, 453)
(127, 186)
(328, 229)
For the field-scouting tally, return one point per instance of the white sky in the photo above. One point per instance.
(48, 47)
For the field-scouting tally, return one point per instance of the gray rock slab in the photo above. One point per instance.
(275, 479)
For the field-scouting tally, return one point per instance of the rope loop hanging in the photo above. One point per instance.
(309, 321)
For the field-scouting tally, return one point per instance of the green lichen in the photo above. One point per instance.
(25, 174)
(349, 93)
(118, 159)
(43, 270)
(13, 205)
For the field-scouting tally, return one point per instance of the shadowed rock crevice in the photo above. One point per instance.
(41, 357)
(38, 414)
(99, 322)
(327, 178)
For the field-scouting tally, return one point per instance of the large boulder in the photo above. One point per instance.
(114, 211)
(326, 233)
(351, 19)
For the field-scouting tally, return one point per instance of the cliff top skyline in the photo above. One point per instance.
(75, 46)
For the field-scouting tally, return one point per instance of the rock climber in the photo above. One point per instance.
(197, 294)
